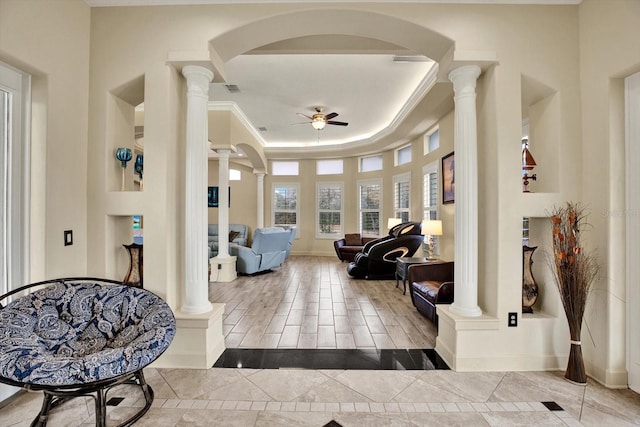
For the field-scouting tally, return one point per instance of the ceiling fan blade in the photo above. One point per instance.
(331, 116)
(304, 115)
(333, 122)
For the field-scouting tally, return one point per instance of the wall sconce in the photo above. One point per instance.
(431, 228)
(139, 167)
(392, 222)
(528, 163)
(124, 155)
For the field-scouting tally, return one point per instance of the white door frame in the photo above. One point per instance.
(632, 196)
(14, 184)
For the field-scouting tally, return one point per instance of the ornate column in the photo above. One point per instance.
(223, 265)
(196, 257)
(466, 190)
(260, 200)
(223, 203)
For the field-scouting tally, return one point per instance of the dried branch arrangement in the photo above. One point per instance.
(574, 271)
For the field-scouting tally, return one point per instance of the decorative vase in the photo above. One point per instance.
(529, 285)
(134, 275)
(139, 168)
(124, 155)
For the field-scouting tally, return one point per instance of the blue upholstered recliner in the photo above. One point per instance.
(268, 250)
(377, 260)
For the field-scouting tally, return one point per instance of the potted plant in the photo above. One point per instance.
(574, 270)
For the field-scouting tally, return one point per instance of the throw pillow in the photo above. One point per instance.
(233, 235)
(352, 239)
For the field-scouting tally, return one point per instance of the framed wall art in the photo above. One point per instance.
(448, 179)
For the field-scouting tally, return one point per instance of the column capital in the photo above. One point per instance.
(198, 78)
(464, 76)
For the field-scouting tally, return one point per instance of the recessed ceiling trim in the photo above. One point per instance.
(235, 110)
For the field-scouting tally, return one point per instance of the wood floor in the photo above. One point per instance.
(311, 302)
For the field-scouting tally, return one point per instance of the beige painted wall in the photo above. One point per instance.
(580, 52)
(609, 52)
(50, 41)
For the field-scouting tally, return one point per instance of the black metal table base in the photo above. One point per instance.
(98, 391)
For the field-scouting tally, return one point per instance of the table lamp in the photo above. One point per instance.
(431, 228)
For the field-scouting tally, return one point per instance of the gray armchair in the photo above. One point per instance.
(268, 250)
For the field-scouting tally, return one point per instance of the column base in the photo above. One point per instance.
(198, 343)
(466, 311)
(223, 269)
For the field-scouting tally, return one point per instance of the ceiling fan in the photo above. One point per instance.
(319, 120)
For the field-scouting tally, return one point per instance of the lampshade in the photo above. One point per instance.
(318, 122)
(432, 227)
(392, 222)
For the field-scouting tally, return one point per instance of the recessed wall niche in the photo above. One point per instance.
(124, 132)
(122, 230)
(539, 235)
(541, 113)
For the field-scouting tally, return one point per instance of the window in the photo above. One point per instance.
(14, 174)
(285, 204)
(430, 198)
(371, 163)
(525, 231)
(431, 140)
(329, 167)
(402, 196)
(403, 155)
(235, 175)
(329, 212)
(284, 168)
(370, 201)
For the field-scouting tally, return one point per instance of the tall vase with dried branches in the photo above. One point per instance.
(574, 271)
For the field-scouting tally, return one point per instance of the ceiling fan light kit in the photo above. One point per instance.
(319, 120)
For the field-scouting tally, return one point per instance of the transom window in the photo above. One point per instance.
(432, 140)
(280, 168)
(403, 155)
(329, 167)
(371, 163)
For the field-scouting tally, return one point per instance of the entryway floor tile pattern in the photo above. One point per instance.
(293, 397)
(311, 302)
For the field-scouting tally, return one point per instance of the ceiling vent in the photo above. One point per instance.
(410, 58)
(232, 88)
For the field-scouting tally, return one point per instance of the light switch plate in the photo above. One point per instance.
(68, 237)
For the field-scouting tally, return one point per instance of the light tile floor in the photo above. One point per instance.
(311, 302)
(283, 397)
(269, 311)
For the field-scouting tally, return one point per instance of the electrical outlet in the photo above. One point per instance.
(68, 237)
(513, 319)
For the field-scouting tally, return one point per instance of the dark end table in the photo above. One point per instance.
(402, 268)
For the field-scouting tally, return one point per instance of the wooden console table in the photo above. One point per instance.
(402, 268)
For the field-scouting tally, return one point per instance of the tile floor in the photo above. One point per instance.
(311, 302)
(292, 397)
(286, 309)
